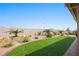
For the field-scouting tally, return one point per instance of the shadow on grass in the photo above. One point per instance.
(56, 49)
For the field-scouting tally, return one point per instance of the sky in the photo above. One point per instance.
(36, 15)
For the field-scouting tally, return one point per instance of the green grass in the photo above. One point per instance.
(47, 47)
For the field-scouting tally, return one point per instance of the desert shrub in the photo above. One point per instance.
(54, 33)
(0, 40)
(39, 33)
(25, 39)
(30, 35)
(49, 35)
(36, 37)
(7, 43)
(62, 34)
(72, 33)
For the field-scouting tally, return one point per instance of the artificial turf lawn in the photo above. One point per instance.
(47, 47)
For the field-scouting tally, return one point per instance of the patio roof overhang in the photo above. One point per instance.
(73, 9)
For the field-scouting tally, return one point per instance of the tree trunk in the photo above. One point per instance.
(16, 34)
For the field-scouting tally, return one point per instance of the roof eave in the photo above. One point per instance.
(71, 11)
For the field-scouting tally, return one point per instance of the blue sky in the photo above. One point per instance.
(54, 15)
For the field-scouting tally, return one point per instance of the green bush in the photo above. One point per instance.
(49, 35)
(62, 34)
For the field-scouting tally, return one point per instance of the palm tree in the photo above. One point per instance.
(15, 32)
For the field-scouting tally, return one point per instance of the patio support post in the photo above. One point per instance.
(77, 43)
(77, 13)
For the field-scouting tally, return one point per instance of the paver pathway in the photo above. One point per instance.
(73, 49)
